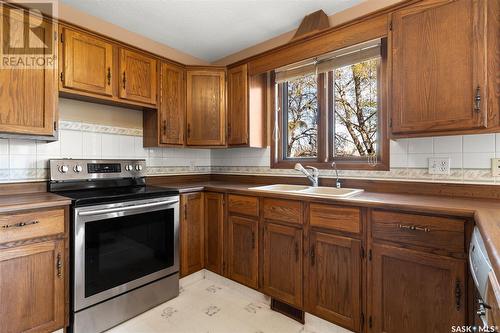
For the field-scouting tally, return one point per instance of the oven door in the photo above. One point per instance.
(121, 246)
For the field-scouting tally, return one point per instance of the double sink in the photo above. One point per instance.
(319, 191)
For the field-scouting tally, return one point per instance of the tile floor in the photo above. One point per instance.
(209, 303)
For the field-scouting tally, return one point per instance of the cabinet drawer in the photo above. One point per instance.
(336, 218)
(421, 230)
(245, 205)
(283, 210)
(21, 226)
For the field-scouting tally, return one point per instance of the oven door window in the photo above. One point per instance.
(122, 249)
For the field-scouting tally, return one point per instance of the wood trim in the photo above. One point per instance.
(311, 24)
(362, 31)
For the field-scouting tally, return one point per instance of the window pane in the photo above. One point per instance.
(355, 109)
(301, 117)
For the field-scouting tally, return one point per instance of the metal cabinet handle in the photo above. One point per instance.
(20, 224)
(414, 228)
(109, 76)
(477, 100)
(189, 130)
(165, 127)
(124, 80)
(458, 295)
(59, 265)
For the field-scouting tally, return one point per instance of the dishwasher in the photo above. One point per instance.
(481, 269)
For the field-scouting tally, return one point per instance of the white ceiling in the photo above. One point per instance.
(208, 29)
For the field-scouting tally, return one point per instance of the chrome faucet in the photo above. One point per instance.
(313, 177)
(337, 183)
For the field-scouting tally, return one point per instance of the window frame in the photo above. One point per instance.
(326, 129)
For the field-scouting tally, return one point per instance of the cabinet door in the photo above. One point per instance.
(32, 287)
(415, 292)
(438, 66)
(88, 63)
(172, 107)
(237, 115)
(214, 219)
(28, 95)
(283, 263)
(334, 279)
(192, 234)
(138, 77)
(242, 250)
(206, 117)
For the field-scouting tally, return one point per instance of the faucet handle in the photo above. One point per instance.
(315, 170)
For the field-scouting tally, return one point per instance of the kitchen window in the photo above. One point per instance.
(332, 108)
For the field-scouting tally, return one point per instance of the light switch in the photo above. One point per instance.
(495, 167)
(439, 166)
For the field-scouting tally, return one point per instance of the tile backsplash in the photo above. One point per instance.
(28, 159)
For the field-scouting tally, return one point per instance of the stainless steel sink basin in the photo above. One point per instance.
(320, 191)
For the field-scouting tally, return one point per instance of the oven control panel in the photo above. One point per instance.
(70, 169)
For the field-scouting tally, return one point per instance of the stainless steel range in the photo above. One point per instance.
(124, 240)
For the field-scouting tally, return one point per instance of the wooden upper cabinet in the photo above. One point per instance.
(28, 95)
(214, 221)
(88, 63)
(137, 79)
(172, 108)
(333, 279)
(32, 287)
(246, 101)
(206, 113)
(439, 67)
(242, 252)
(282, 263)
(237, 103)
(415, 292)
(192, 230)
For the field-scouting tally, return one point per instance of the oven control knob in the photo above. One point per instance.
(78, 168)
(129, 167)
(63, 168)
(138, 167)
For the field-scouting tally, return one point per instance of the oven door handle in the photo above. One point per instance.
(126, 208)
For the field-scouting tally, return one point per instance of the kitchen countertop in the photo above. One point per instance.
(17, 202)
(486, 213)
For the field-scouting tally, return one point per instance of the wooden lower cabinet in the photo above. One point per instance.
(32, 287)
(282, 263)
(415, 292)
(242, 252)
(214, 220)
(333, 275)
(192, 230)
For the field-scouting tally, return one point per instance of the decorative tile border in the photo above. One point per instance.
(480, 176)
(86, 127)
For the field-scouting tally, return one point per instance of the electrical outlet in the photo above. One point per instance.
(495, 167)
(439, 166)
